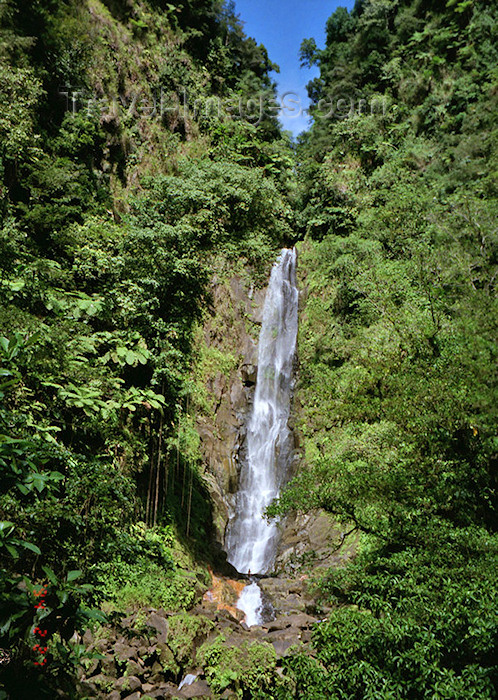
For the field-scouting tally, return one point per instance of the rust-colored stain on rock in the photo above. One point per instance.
(225, 592)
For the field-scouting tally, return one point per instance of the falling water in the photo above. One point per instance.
(251, 541)
(251, 603)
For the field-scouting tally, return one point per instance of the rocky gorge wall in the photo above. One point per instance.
(227, 372)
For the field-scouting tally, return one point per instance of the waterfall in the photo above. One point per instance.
(251, 541)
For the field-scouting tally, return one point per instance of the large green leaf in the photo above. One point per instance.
(50, 575)
(73, 575)
(31, 547)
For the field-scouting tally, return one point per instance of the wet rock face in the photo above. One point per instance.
(249, 375)
(313, 541)
(231, 331)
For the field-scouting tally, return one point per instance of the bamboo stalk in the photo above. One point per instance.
(166, 479)
(149, 497)
(177, 471)
(184, 464)
(189, 508)
(184, 479)
(158, 471)
(151, 472)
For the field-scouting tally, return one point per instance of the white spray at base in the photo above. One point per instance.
(251, 541)
(250, 602)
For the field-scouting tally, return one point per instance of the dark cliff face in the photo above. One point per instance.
(227, 370)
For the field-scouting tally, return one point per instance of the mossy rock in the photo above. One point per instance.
(186, 633)
(249, 667)
(103, 682)
(167, 660)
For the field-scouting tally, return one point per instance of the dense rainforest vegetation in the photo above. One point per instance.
(398, 347)
(114, 215)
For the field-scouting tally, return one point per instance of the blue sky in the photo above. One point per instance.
(281, 25)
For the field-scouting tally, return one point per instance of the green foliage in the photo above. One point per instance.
(397, 386)
(185, 633)
(217, 204)
(112, 219)
(111, 215)
(147, 567)
(416, 622)
(30, 484)
(123, 585)
(250, 668)
(60, 193)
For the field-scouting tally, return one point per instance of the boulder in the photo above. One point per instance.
(92, 668)
(228, 695)
(166, 660)
(156, 673)
(101, 645)
(282, 646)
(88, 638)
(249, 374)
(297, 620)
(108, 664)
(101, 682)
(160, 624)
(128, 684)
(123, 652)
(288, 633)
(137, 669)
(129, 621)
(199, 689)
(165, 692)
